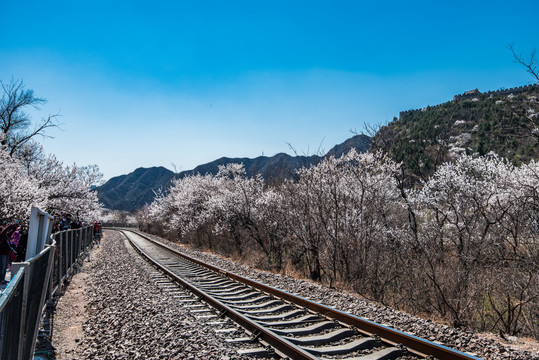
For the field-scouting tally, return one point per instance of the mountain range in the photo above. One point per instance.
(504, 122)
(132, 191)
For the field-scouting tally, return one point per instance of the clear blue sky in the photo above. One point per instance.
(149, 83)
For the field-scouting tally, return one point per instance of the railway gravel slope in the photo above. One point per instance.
(126, 315)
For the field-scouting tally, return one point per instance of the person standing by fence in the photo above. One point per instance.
(97, 232)
(21, 248)
(14, 243)
(5, 249)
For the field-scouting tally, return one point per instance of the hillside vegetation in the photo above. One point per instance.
(478, 123)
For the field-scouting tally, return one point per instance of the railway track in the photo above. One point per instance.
(292, 326)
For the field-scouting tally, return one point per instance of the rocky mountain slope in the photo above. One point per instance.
(131, 191)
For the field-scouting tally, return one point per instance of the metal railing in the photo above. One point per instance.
(70, 245)
(34, 282)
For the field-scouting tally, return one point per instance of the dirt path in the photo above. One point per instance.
(71, 311)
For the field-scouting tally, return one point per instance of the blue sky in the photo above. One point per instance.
(157, 83)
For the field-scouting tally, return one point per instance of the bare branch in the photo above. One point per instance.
(14, 121)
(320, 151)
(530, 65)
(22, 138)
(291, 147)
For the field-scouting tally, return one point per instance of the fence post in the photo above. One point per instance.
(69, 244)
(58, 250)
(39, 232)
(79, 234)
(65, 257)
(22, 331)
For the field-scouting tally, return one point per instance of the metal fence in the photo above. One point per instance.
(70, 245)
(35, 281)
(11, 306)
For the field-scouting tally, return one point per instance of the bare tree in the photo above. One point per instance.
(15, 123)
(530, 64)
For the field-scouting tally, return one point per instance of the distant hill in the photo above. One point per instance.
(505, 122)
(130, 192)
(274, 167)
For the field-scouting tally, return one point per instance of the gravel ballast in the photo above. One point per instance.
(127, 316)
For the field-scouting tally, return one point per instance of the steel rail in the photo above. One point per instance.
(415, 344)
(260, 332)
